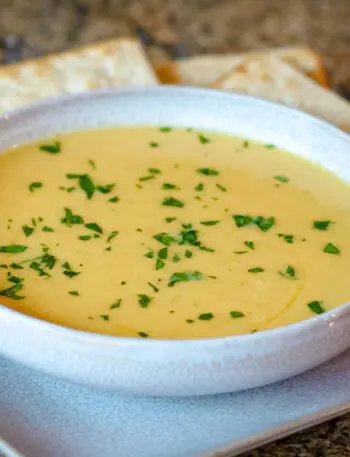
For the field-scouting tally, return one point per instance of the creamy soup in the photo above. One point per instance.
(166, 233)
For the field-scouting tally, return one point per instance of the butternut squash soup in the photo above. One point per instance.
(170, 233)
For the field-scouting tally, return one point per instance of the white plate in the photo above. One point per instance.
(44, 417)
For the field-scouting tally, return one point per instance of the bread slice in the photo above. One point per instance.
(119, 62)
(273, 79)
(203, 70)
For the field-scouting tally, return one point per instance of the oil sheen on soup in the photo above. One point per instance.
(170, 233)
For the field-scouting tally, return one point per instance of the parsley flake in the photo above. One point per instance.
(256, 270)
(184, 276)
(54, 148)
(236, 314)
(316, 307)
(169, 186)
(207, 171)
(95, 227)
(282, 178)
(242, 220)
(13, 248)
(322, 225)
(35, 185)
(27, 230)
(172, 202)
(288, 273)
(206, 316)
(144, 300)
(71, 219)
(209, 222)
(203, 139)
(116, 304)
(331, 249)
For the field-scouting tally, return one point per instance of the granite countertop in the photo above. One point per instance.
(185, 27)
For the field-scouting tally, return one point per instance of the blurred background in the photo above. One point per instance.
(178, 28)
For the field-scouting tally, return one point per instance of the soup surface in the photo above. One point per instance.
(166, 233)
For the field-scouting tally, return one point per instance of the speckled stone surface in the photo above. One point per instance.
(185, 27)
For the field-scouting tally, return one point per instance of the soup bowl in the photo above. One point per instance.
(178, 367)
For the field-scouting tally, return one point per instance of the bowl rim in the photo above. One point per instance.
(327, 318)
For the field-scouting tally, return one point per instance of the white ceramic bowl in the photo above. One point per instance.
(183, 367)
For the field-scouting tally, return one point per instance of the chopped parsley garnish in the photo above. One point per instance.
(188, 254)
(316, 307)
(144, 300)
(67, 189)
(149, 254)
(176, 257)
(85, 183)
(75, 293)
(116, 304)
(256, 270)
(146, 178)
(282, 178)
(236, 314)
(95, 227)
(152, 144)
(11, 292)
(168, 186)
(154, 171)
(287, 238)
(209, 222)
(184, 276)
(114, 200)
(104, 317)
(240, 252)
(250, 244)
(143, 335)
(67, 270)
(54, 148)
(165, 129)
(242, 220)
(170, 219)
(105, 189)
(203, 139)
(27, 230)
(199, 187)
(35, 185)
(71, 219)
(15, 266)
(163, 253)
(207, 171)
(331, 249)
(172, 202)
(269, 146)
(222, 188)
(265, 223)
(246, 144)
(189, 235)
(206, 317)
(153, 287)
(47, 229)
(165, 238)
(92, 163)
(322, 225)
(288, 273)
(85, 237)
(13, 248)
(112, 235)
(189, 321)
(159, 264)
